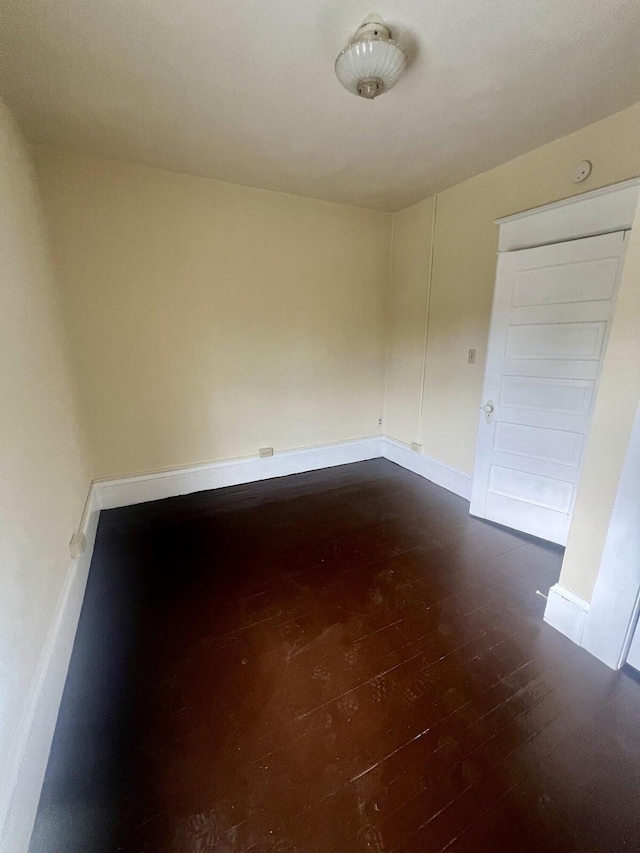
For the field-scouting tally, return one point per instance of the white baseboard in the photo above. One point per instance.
(566, 612)
(140, 488)
(216, 475)
(24, 774)
(440, 473)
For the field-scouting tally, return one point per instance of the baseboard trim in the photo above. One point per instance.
(158, 485)
(566, 612)
(456, 481)
(24, 775)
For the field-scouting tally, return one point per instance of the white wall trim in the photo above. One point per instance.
(440, 473)
(616, 596)
(606, 209)
(170, 483)
(24, 774)
(555, 205)
(566, 612)
(157, 485)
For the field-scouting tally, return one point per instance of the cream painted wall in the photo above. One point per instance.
(208, 320)
(464, 260)
(613, 418)
(45, 474)
(407, 309)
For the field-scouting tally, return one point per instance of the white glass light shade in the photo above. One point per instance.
(370, 67)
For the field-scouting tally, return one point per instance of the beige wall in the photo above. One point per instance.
(464, 259)
(45, 476)
(208, 320)
(408, 298)
(613, 418)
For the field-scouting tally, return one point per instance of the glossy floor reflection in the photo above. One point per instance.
(336, 661)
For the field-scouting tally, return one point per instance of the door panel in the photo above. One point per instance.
(547, 394)
(575, 282)
(529, 487)
(539, 521)
(554, 470)
(550, 321)
(555, 340)
(539, 443)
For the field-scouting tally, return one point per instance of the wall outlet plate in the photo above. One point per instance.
(471, 359)
(265, 451)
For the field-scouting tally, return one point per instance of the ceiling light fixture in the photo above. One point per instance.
(372, 63)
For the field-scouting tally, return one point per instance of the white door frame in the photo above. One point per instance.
(613, 613)
(605, 626)
(596, 212)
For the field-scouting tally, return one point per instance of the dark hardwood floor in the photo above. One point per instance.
(337, 661)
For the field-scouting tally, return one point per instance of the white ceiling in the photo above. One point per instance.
(244, 90)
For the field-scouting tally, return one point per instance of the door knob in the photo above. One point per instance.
(488, 410)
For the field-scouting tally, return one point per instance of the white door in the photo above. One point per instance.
(551, 314)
